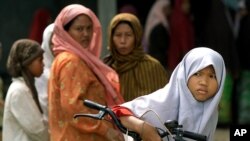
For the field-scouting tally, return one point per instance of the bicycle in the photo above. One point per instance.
(173, 127)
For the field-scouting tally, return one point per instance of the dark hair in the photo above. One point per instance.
(67, 26)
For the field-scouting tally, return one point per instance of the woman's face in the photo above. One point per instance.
(203, 84)
(82, 30)
(123, 39)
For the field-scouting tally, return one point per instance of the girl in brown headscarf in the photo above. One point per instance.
(139, 72)
(23, 116)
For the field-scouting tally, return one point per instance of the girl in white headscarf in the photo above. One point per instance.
(41, 83)
(191, 97)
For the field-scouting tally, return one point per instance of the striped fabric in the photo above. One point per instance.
(147, 76)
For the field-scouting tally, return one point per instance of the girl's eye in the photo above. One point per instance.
(213, 76)
(196, 74)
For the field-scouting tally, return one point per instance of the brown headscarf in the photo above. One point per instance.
(22, 53)
(139, 73)
(123, 63)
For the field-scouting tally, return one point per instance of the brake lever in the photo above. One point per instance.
(98, 116)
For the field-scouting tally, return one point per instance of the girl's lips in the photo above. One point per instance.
(202, 91)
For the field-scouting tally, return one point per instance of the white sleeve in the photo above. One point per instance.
(28, 115)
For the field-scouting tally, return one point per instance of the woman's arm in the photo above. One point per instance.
(143, 128)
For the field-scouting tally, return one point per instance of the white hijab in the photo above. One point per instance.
(41, 83)
(155, 17)
(175, 101)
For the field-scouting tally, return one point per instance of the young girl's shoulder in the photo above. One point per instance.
(17, 86)
(18, 83)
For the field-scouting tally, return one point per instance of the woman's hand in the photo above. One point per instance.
(149, 133)
(146, 131)
(114, 135)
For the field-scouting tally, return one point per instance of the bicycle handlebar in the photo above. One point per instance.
(94, 105)
(194, 136)
(103, 110)
(173, 126)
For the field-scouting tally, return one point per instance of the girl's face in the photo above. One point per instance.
(36, 66)
(124, 39)
(82, 30)
(203, 84)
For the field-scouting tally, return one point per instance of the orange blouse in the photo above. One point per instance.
(71, 82)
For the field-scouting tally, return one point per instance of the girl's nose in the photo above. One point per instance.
(203, 81)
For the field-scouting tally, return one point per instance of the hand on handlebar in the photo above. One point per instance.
(149, 133)
(146, 131)
(114, 135)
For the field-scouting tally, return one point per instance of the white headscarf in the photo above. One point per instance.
(41, 83)
(175, 101)
(155, 17)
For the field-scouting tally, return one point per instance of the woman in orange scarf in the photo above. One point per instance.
(78, 74)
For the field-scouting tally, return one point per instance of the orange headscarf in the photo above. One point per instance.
(64, 42)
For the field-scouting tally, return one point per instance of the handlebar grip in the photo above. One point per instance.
(94, 105)
(194, 136)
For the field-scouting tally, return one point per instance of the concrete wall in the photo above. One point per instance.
(15, 20)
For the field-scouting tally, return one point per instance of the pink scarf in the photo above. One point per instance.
(64, 42)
